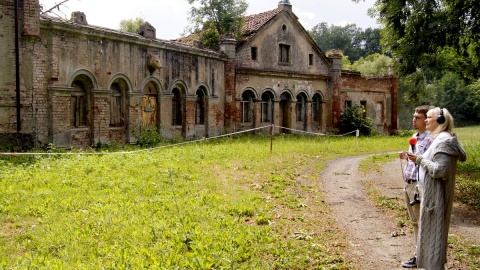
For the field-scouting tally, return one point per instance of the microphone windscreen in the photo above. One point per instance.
(413, 141)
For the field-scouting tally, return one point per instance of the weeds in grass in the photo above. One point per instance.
(229, 204)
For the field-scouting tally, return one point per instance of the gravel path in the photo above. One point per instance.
(369, 228)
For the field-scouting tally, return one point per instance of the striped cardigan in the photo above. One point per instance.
(436, 205)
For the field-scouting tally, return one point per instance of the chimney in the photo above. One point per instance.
(285, 5)
(79, 17)
(148, 31)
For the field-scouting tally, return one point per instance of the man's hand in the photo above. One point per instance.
(412, 157)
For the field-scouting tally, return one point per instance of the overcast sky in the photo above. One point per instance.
(170, 17)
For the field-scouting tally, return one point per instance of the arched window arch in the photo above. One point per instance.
(267, 107)
(200, 108)
(247, 106)
(301, 108)
(177, 108)
(78, 107)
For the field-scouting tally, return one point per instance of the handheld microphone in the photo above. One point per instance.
(413, 142)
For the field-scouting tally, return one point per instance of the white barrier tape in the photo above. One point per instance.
(164, 146)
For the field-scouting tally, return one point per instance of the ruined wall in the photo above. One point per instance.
(55, 54)
(28, 29)
(378, 94)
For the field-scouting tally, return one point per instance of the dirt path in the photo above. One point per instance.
(369, 228)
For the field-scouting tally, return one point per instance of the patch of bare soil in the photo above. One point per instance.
(369, 228)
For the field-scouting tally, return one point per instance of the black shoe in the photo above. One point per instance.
(410, 263)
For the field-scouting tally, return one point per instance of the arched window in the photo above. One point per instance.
(78, 107)
(116, 106)
(266, 107)
(317, 108)
(200, 108)
(176, 108)
(247, 106)
(301, 108)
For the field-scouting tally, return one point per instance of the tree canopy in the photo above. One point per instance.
(418, 33)
(131, 25)
(353, 41)
(214, 19)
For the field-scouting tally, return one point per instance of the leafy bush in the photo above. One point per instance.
(352, 119)
(149, 136)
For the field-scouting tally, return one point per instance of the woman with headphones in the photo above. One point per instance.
(438, 164)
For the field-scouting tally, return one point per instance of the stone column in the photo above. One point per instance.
(227, 46)
(335, 86)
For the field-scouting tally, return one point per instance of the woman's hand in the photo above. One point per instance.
(402, 155)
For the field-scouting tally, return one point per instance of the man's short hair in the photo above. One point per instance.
(423, 109)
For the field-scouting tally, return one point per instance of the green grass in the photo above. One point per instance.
(228, 203)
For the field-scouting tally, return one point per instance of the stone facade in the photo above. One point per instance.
(82, 85)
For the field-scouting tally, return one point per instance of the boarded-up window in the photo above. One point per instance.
(149, 105)
(284, 56)
(379, 113)
(78, 107)
(116, 106)
(200, 108)
(176, 108)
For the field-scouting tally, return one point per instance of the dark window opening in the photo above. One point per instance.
(254, 53)
(363, 103)
(284, 53)
(200, 108)
(317, 108)
(348, 104)
(310, 59)
(176, 108)
(78, 107)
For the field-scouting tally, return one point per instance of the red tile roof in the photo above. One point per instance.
(254, 22)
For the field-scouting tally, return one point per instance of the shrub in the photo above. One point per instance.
(352, 119)
(149, 136)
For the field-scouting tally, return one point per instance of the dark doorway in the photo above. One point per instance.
(285, 113)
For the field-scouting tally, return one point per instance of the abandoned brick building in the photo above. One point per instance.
(79, 85)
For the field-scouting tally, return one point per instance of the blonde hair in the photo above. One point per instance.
(447, 126)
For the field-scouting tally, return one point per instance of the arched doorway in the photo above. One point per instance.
(285, 113)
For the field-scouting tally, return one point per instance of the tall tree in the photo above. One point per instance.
(416, 33)
(353, 41)
(214, 19)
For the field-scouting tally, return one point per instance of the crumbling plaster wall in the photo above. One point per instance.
(65, 50)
